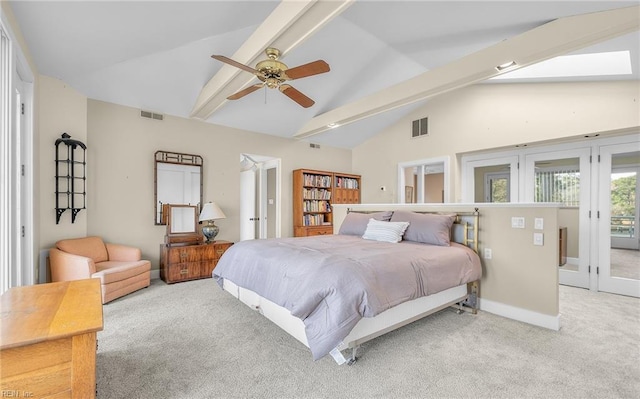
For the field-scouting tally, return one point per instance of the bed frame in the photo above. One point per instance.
(463, 297)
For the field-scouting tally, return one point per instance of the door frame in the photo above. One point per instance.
(471, 162)
(580, 278)
(17, 237)
(606, 282)
(421, 164)
(262, 163)
(276, 164)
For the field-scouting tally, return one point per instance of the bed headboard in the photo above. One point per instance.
(465, 229)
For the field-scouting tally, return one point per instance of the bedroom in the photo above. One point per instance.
(120, 191)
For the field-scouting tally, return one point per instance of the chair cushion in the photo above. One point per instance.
(112, 271)
(90, 247)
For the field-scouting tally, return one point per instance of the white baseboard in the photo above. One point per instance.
(519, 314)
(155, 274)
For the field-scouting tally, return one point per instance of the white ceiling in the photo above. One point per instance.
(155, 55)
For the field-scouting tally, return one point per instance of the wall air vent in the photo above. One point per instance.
(151, 115)
(314, 145)
(420, 128)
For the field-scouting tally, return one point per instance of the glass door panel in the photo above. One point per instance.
(564, 177)
(619, 268)
(490, 180)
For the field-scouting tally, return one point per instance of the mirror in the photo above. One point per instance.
(183, 219)
(182, 226)
(177, 181)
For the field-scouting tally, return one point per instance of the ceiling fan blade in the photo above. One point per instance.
(244, 92)
(296, 96)
(310, 69)
(236, 64)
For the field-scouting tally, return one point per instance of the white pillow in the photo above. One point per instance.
(385, 231)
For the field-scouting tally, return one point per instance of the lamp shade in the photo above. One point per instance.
(211, 211)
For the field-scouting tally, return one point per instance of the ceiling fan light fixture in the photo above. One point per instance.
(273, 74)
(506, 65)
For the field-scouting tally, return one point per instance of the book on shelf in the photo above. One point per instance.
(316, 194)
(313, 220)
(346, 182)
(316, 206)
(317, 180)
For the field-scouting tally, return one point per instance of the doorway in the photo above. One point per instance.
(619, 260)
(597, 182)
(260, 192)
(564, 177)
(16, 160)
(424, 181)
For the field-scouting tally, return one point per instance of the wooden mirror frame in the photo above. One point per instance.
(175, 158)
(182, 225)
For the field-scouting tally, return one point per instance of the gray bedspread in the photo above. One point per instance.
(331, 282)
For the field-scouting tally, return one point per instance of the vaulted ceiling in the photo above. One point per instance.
(386, 57)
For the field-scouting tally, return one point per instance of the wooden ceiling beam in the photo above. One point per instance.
(285, 28)
(552, 39)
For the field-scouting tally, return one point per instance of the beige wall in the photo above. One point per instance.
(487, 116)
(62, 109)
(433, 187)
(519, 274)
(121, 147)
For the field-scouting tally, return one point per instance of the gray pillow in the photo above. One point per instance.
(355, 224)
(426, 227)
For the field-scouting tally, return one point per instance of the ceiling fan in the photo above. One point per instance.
(274, 74)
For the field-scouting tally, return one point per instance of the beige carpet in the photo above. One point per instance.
(193, 340)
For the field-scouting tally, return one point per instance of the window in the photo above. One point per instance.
(561, 186)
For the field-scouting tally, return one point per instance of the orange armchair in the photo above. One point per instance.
(119, 267)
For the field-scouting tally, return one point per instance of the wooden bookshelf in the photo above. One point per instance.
(314, 193)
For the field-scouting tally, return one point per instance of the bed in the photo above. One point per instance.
(335, 292)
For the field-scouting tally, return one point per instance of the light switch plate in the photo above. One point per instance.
(488, 254)
(538, 223)
(538, 239)
(517, 222)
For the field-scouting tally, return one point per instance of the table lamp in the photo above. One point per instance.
(210, 212)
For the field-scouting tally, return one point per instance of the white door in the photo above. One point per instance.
(619, 260)
(248, 205)
(565, 177)
(269, 199)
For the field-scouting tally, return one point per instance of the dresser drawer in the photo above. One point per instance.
(319, 230)
(183, 271)
(191, 253)
(219, 248)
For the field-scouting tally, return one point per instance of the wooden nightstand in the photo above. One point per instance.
(190, 262)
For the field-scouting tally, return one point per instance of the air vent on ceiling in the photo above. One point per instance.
(314, 145)
(151, 115)
(420, 128)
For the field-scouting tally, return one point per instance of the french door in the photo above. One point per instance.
(619, 258)
(565, 177)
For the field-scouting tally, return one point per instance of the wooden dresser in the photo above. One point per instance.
(48, 345)
(190, 262)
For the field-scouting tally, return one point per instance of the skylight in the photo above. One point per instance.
(595, 64)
